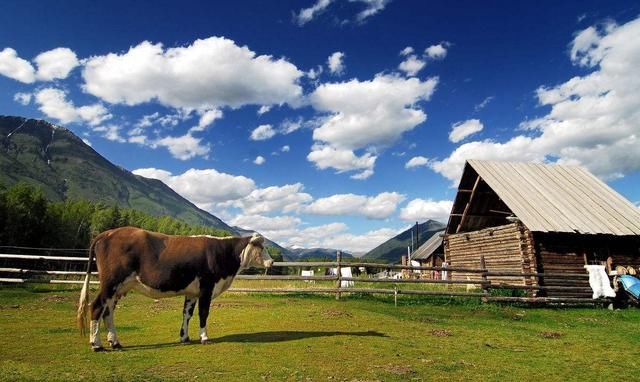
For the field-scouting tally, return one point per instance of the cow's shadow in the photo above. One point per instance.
(262, 337)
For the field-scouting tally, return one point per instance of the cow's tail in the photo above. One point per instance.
(83, 303)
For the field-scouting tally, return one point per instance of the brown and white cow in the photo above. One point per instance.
(158, 265)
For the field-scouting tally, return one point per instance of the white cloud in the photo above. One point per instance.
(264, 109)
(110, 132)
(54, 104)
(262, 132)
(406, 51)
(336, 236)
(335, 63)
(205, 188)
(259, 160)
(593, 119)
(206, 119)
(307, 14)
(275, 228)
(412, 65)
(285, 149)
(55, 64)
(23, 98)
(461, 130)
(208, 74)
(372, 7)
(326, 156)
(417, 162)
(483, 104)
(421, 210)
(288, 126)
(437, 52)
(373, 207)
(184, 147)
(313, 74)
(281, 199)
(15, 67)
(367, 114)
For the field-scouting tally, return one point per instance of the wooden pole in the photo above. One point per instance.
(485, 282)
(338, 273)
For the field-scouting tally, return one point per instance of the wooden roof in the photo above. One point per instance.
(546, 198)
(428, 247)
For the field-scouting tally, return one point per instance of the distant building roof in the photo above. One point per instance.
(429, 247)
(546, 198)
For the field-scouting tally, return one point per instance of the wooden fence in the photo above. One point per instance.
(20, 269)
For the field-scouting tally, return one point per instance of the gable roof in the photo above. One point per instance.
(428, 247)
(546, 198)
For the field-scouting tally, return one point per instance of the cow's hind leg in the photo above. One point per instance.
(187, 313)
(203, 311)
(109, 311)
(98, 307)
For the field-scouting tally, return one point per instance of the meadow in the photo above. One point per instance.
(316, 338)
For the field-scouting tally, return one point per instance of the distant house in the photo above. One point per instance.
(430, 254)
(527, 217)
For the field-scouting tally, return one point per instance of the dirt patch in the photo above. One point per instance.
(550, 334)
(9, 307)
(398, 369)
(55, 298)
(441, 333)
(234, 305)
(334, 313)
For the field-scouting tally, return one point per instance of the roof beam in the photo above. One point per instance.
(466, 208)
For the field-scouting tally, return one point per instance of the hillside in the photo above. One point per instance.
(316, 253)
(393, 249)
(59, 162)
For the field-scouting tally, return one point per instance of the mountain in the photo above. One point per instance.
(393, 249)
(316, 253)
(59, 162)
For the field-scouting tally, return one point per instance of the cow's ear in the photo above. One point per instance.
(257, 239)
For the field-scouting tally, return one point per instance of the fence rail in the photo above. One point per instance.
(477, 288)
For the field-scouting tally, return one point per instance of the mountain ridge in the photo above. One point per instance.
(393, 249)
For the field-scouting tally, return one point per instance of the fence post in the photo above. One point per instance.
(485, 282)
(338, 273)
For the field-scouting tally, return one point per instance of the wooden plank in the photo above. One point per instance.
(466, 208)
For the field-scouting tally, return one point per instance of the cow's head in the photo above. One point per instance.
(255, 254)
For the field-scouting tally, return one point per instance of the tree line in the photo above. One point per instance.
(29, 219)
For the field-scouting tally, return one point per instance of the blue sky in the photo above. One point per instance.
(331, 123)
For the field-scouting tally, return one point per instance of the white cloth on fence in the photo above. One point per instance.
(599, 281)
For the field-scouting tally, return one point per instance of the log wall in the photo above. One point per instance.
(505, 248)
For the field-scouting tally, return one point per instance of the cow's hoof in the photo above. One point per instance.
(185, 340)
(97, 348)
(116, 346)
(204, 341)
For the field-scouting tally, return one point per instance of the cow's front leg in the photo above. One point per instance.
(187, 313)
(203, 311)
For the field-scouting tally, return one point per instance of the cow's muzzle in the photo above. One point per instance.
(268, 263)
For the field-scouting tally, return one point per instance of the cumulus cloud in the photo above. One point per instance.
(184, 147)
(207, 118)
(593, 119)
(412, 65)
(285, 149)
(264, 109)
(417, 162)
(208, 74)
(55, 64)
(262, 132)
(275, 228)
(335, 63)
(437, 52)
(424, 209)
(274, 199)
(380, 206)
(461, 130)
(372, 7)
(407, 51)
(364, 115)
(259, 160)
(53, 102)
(110, 132)
(326, 156)
(205, 188)
(337, 236)
(483, 104)
(23, 98)
(15, 67)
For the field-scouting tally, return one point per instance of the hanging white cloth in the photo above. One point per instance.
(599, 281)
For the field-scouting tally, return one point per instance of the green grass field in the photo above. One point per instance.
(316, 338)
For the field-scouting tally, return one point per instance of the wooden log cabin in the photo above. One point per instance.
(430, 254)
(539, 218)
